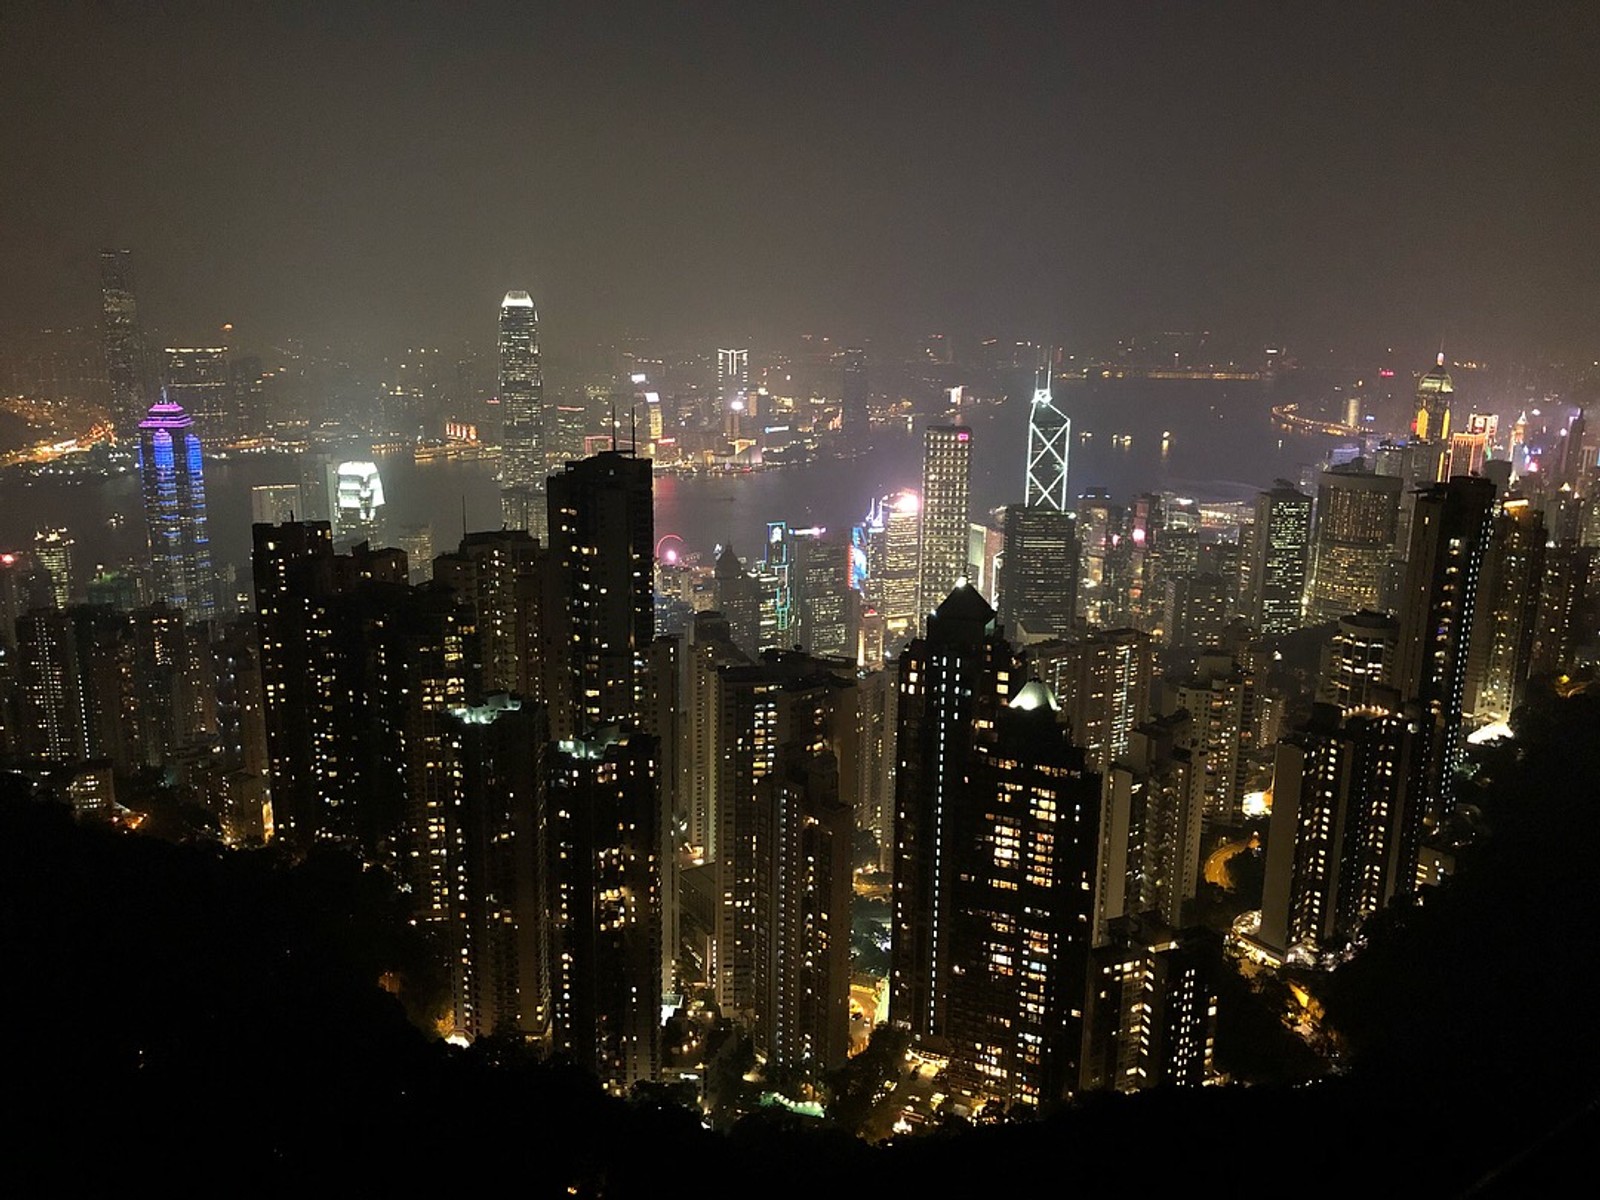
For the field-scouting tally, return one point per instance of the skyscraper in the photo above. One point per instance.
(1434, 393)
(894, 567)
(733, 390)
(602, 541)
(1023, 844)
(1039, 578)
(854, 419)
(358, 504)
(1345, 821)
(1357, 660)
(1503, 636)
(946, 483)
(1049, 440)
(199, 379)
(1449, 536)
(601, 857)
(127, 367)
(1278, 569)
(951, 681)
(787, 729)
(52, 551)
(1357, 520)
(522, 460)
(173, 483)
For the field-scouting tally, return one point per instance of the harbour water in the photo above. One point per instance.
(1206, 438)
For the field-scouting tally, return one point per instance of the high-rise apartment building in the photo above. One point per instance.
(952, 683)
(1449, 537)
(503, 577)
(1024, 845)
(1103, 683)
(1357, 520)
(1152, 1008)
(787, 733)
(1150, 825)
(708, 646)
(1559, 625)
(601, 847)
(946, 485)
(1278, 559)
(172, 480)
(602, 545)
(1346, 824)
(521, 391)
(1220, 698)
(1503, 636)
(1358, 660)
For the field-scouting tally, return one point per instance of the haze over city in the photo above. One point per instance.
(371, 172)
(800, 599)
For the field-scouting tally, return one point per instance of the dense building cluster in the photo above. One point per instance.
(641, 801)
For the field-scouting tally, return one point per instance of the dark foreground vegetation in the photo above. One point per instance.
(186, 1015)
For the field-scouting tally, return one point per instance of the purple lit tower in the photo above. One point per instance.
(175, 510)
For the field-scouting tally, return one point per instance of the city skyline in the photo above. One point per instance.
(886, 592)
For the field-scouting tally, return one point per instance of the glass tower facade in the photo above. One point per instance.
(521, 390)
(173, 483)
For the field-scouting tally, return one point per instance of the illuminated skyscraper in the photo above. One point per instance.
(1278, 567)
(823, 594)
(1357, 520)
(952, 684)
(786, 732)
(601, 846)
(733, 390)
(1039, 579)
(1357, 661)
(1023, 844)
(1049, 439)
(358, 504)
(602, 542)
(52, 551)
(895, 593)
(173, 483)
(946, 485)
(1434, 393)
(1503, 636)
(1346, 816)
(522, 460)
(1449, 536)
(127, 367)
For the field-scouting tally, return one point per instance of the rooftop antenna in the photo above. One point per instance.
(613, 425)
(633, 429)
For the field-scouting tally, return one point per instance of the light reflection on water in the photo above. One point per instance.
(1220, 445)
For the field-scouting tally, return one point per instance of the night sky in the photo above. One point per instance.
(1330, 174)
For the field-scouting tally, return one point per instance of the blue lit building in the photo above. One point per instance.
(175, 510)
